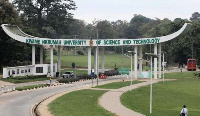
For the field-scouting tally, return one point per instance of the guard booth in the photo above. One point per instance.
(38, 69)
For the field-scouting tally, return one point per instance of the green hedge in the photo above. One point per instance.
(197, 74)
(27, 77)
(85, 76)
(24, 79)
(79, 77)
(68, 80)
(30, 87)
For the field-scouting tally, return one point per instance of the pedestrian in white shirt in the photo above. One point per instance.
(184, 111)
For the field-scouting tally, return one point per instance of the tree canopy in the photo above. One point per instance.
(52, 18)
(8, 53)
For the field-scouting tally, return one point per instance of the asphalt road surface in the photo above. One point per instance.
(20, 103)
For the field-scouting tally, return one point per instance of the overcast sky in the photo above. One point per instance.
(113, 10)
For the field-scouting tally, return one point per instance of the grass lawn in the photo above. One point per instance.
(78, 72)
(79, 103)
(81, 60)
(117, 85)
(168, 97)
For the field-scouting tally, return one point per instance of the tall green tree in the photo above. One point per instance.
(46, 15)
(78, 28)
(119, 28)
(105, 29)
(136, 22)
(10, 49)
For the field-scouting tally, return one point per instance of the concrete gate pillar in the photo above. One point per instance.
(96, 60)
(140, 61)
(89, 60)
(33, 54)
(51, 61)
(41, 54)
(159, 60)
(59, 61)
(135, 61)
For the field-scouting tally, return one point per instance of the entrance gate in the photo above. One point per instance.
(16, 33)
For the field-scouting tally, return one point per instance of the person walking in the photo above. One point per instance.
(50, 78)
(181, 68)
(184, 111)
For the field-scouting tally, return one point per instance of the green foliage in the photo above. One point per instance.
(133, 29)
(8, 54)
(86, 76)
(196, 75)
(81, 61)
(79, 29)
(68, 80)
(23, 79)
(117, 85)
(78, 78)
(168, 97)
(51, 18)
(78, 72)
(7, 13)
(79, 103)
(30, 87)
(12, 51)
(73, 64)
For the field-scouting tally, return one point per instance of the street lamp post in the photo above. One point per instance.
(75, 54)
(163, 66)
(151, 55)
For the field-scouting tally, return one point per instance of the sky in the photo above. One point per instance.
(113, 10)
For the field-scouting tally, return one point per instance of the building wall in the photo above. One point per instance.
(38, 69)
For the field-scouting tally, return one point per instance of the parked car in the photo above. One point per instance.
(68, 74)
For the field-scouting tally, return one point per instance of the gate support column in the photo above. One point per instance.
(51, 61)
(33, 54)
(135, 61)
(140, 61)
(59, 61)
(89, 60)
(159, 60)
(41, 54)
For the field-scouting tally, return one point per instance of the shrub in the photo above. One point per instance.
(196, 74)
(30, 87)
(68, 80)
(73, 65)
(80, 53)
(28, 77)
(85, 76)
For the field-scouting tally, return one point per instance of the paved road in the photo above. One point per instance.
(10, 86)
(20, 103)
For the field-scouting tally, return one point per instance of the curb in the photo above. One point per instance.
(34, 108)
(2, 91)
(34, 111)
